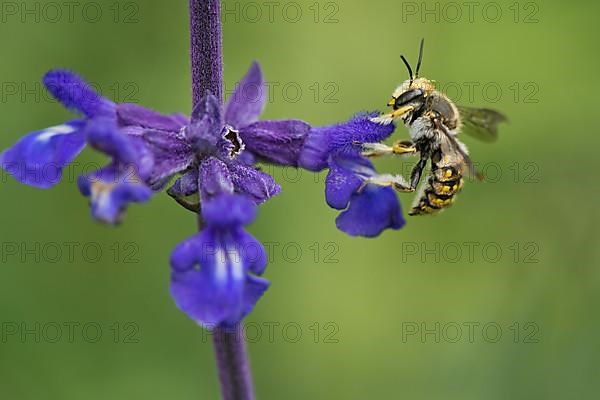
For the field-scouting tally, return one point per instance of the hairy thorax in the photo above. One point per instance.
(422, 123)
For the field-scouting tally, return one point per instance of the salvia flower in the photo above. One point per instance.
(352, 184)
(116, 130)
(219, 146)
(215, 274)
(222, 185)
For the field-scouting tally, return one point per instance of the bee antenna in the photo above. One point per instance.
(410, 73)
(420, 57)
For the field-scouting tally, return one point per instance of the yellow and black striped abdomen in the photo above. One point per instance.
(440, 190)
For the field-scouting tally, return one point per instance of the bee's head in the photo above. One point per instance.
(412, 93)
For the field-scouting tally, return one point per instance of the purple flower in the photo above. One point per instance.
(214, 273)
(352, 182)
(39, 158)
(111, 188)
(218, 147)
(220, 182)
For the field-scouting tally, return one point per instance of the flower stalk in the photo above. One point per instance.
(234, 369)
(206, 46)
(206, 53)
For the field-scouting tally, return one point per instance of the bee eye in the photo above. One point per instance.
(407, 97)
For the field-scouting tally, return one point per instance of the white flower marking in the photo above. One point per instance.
(49, 133)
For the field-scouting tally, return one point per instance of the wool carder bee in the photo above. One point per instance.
(434, 123)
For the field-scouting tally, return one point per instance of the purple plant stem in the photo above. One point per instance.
(234, 368)
(206, 49)
(207, 75)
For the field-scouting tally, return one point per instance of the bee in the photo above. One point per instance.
(434, 123)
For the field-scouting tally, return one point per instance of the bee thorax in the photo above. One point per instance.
(421, 128)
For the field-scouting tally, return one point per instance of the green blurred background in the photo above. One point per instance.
(380, 318)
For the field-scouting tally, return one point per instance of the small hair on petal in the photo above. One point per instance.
(342, 138)
(206, 124)
(76, 94)
(279, 142)
(254, 183)
(130, 114)
(359, 129)
(214, 179)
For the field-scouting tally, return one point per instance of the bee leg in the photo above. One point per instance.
(399, 148)
(403, 188)
(383, 119)
(404, 147)
(395, 181)
(375, 149)
(415, 175)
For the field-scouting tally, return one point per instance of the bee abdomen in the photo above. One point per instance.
(439, 192)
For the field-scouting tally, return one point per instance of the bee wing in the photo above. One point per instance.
(481, 123)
